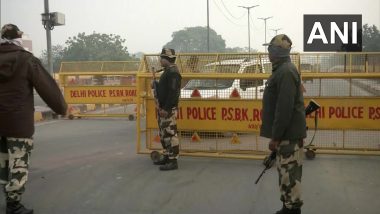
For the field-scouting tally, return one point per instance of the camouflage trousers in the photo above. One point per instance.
(14, 164)
(289, 166)
(168, 134)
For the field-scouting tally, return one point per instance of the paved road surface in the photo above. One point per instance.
(89, 166)
(38, 100)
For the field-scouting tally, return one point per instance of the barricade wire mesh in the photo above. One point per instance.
(115, 79)
(100, 66)
(206, 74)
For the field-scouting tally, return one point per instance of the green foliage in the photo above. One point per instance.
(371, 38)
(57, 55)
(194, 39)
(96, 47)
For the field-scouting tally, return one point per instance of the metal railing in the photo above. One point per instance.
(100, 89)
(217, 122)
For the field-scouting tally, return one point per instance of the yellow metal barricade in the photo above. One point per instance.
(220, 107)
(100, 89)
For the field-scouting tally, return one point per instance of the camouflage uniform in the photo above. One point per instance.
(168, 134)
(167, 94)
(14, 164)
(289, 166)
(283, 121)
(20, 73)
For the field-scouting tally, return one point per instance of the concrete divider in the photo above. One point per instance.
(37, 116)
(42, 113)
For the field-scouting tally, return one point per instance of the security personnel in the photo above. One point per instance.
(20, 72)
(168, 91)
(283, 117)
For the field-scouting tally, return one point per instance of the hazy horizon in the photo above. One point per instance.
(147, 25)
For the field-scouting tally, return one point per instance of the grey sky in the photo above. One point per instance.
(148, 24)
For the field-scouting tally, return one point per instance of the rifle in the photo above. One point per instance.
(269, 160)
(268, 163)
(155, 85)
(155, 155)
(312, 107)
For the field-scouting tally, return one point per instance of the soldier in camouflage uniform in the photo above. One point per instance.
(168, 92)
(20, 72)
(284, 122)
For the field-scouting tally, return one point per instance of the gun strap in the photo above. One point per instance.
(315, 128)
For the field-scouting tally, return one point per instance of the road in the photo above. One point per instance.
(90, 166)
(38, 101)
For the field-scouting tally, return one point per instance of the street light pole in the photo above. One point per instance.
(249, 29)
(208, 27)
(48, 28)
(265, 25)
(276, 30)
(0, 15)
(49, 20)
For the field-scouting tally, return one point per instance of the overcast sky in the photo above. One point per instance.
(147, 25)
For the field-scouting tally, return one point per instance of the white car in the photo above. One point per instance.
(225, 88)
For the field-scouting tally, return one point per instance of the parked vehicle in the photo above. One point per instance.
(225, 88)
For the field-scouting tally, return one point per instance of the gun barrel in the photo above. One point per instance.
(262, 173)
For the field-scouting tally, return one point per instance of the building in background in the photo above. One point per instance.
(27, 43)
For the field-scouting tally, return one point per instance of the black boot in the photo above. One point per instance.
(17, 208)
(170, 165)
(162, 161)
(285, 210)
(296, 211)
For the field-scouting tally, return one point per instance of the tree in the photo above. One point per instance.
(57, 55)
(96, 47)
(194, 39)
(371, 38)
(239, 50)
